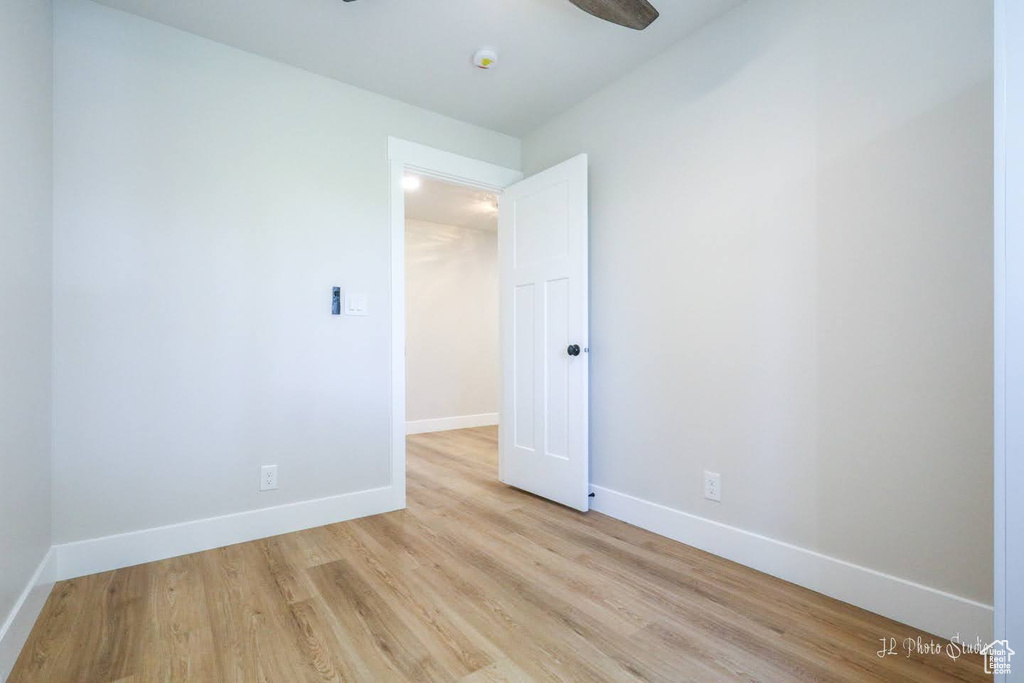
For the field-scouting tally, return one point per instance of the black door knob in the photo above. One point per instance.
(573, 350)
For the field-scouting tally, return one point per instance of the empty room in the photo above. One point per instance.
(526, 340)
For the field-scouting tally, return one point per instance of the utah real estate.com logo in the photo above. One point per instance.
(997, 656)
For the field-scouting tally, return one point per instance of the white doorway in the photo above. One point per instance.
(452, 347)
(543, 317)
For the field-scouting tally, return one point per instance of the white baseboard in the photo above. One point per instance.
(148, 545)
(928, 609)
(443, 424)
(15, 629)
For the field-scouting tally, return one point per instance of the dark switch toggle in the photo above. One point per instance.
(336, 302)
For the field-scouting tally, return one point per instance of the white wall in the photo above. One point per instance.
(26, 182)
(791, 265)
(206, 202)
(452, 359)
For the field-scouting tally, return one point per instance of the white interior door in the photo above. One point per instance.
(544, 347)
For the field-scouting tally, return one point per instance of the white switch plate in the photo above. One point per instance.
(355, 304)
(713, 486)
(268, 477)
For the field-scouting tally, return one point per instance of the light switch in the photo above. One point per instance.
(355, 304)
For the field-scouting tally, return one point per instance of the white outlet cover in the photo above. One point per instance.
(268, 477)
(713, 486)
(356, 304)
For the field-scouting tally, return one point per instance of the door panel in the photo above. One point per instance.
(525, 368)
(541, 228)
(543, 445)
(556, 375)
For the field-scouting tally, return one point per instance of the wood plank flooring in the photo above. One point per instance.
(473, 582)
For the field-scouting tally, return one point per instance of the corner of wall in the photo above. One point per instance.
(15, 630)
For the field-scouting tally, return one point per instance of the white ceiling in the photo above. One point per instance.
(551, 54)
(449, 204)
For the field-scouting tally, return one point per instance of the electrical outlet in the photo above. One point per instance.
(713, 486)
(268, 477)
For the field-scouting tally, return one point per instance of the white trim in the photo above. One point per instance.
(444, 424)
(148, 545)
(999, 329)
(437, 163)
(1008, 466)
(16, 628)
(396, 170)
(928, 609)
(449, 166)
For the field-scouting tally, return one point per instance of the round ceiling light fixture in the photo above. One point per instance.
(485, 58)
(410, 183)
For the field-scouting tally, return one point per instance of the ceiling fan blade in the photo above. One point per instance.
(636, 14)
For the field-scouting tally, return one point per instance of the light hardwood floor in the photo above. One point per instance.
(473, 582)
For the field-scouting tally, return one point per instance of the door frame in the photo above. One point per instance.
(1008, 470)
(403, 156)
